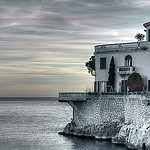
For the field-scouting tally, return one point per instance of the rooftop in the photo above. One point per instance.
(122, 47)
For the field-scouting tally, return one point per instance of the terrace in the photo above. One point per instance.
(132, 46)
(73, 96)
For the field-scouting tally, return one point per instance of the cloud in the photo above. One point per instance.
(44, 44)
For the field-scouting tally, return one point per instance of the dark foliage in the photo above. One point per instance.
(135, 82)
(92, 93)
(111, 77)
(91, 65)
(139, 36)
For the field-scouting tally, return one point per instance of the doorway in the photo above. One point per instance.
(148, 85)
(124, 86)
(148, 35)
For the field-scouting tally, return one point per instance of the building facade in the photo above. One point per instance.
(129, 58)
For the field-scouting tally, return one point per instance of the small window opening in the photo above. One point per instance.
(128, 60)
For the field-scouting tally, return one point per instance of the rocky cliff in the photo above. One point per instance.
(134, 137)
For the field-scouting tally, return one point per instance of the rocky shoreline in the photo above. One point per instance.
(129, 135)
(134, 137)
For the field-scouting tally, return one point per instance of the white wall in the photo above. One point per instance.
(131, 108)
(140, 59)
(137, 111)
(98, 110)
(147, 33)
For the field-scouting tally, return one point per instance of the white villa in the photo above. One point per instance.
(129, 58)
(101, 115)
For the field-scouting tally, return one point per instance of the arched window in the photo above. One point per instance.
(128, 60)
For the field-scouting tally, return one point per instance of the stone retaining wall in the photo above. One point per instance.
(137, 111)
(99, 109)
(105, 108)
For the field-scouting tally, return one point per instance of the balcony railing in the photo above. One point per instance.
(125, 70)
(122, 47)
(73, 96)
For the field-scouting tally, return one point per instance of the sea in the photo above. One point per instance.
(34, 123)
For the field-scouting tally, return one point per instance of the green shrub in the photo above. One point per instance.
(135, 82)
(111, 73)
(91, 64)
(92, 93)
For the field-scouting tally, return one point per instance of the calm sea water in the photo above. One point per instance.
(34, 123)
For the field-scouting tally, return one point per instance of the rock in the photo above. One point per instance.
(105, 130)
(134, 137)
(109, 129)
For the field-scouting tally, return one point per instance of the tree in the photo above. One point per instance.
(111, 77)
(139, 36)
(91, 65)
(135, 82)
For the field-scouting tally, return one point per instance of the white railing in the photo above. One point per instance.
(122, 46)
(73, 94)
(126, 69)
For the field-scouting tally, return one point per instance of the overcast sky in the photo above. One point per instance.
(44, 44)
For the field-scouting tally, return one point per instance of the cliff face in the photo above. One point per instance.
(137, 112)
(124, 119)
(134, 137)
(99, 109)
(103, 131)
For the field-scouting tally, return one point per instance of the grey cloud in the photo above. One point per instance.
(15, 59)
(61, 33)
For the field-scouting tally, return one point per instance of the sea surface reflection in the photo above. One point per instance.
(34, 123)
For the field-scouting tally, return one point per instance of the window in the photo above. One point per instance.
(124, 86)
(103, 63)
(148, 35)
(148, 85)
(128, 60)
(95, 87)
(98, 86)
(103, 86)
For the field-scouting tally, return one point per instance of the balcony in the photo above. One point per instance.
(72, 96)
(132, 46)
(126, 70)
